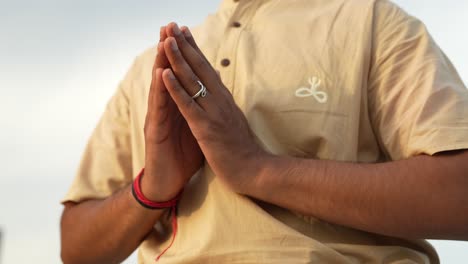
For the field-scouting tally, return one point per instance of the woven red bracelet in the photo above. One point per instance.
(147, 203)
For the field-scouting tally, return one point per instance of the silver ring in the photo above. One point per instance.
(202, 92)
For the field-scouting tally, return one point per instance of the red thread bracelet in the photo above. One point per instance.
(147, 203)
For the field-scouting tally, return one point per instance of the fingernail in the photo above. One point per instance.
(173, 44)
(187, 33)
(176, 29)
(171, 74)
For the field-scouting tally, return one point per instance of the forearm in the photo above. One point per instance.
(422, 197)
(105, 231)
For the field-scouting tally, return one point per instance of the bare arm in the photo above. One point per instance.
(105, 231)
(421, 197)
(109, 230)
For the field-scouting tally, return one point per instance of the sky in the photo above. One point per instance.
(61, 60)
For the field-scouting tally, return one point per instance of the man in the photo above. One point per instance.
(334, 132)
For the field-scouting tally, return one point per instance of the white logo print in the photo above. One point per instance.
(320, 96)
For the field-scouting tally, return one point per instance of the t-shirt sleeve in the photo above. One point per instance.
(418, 104)
(106, 164)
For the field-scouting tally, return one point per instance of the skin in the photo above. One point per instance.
(109, 230)
(421, 197)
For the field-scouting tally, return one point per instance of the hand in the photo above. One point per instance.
(172, 153)
(217, 123)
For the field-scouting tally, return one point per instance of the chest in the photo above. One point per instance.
(298, 76)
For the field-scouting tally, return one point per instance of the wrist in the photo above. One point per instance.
(149, 202)
(260, 170)
(156, 189)
(154, 205)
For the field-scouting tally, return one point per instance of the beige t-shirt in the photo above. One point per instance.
(348, 80)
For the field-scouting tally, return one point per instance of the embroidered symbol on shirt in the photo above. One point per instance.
(320, 96)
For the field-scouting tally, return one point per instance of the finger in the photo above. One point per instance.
(161, 99)
(187, 78)
(156, 101)
(162, 33)
(189, 38)
(156, 124)
(161, 58)
(160, 90)
(197, 62)
(155, 86)
(153, 100)
(191, 111)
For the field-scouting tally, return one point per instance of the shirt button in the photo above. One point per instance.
(225, 62)
(236, 24)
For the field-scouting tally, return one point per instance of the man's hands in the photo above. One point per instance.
(172, 153)
(219, 126)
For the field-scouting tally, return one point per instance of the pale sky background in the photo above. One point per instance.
(61, 60)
